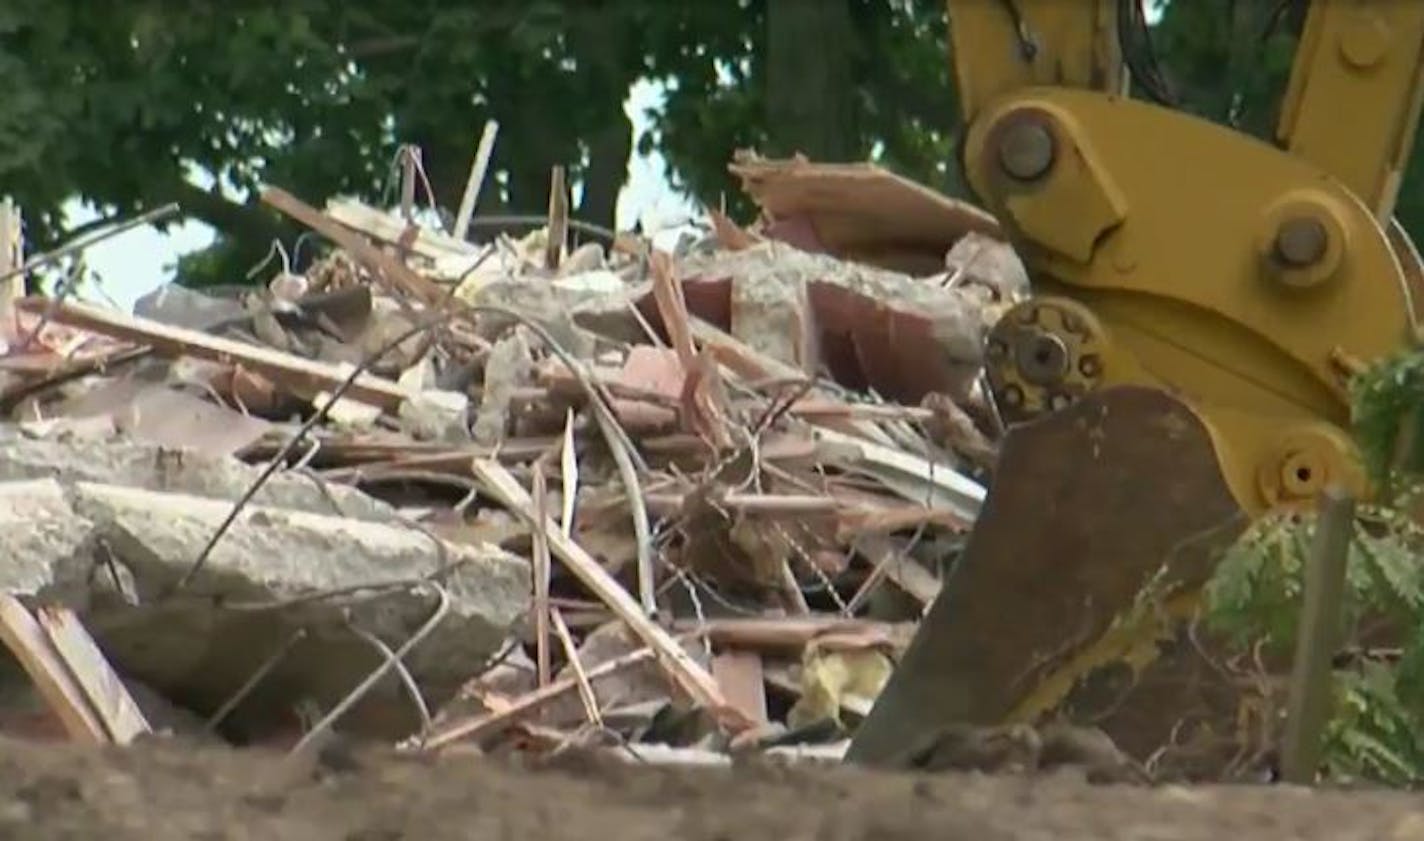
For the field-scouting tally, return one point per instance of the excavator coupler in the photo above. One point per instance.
(1073, 598)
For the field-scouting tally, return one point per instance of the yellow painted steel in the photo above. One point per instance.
(1352, 105)
(1232, 272)
(1001, 46)
(1178, 263)
(1167, 251)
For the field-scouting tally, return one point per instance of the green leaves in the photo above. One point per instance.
(1255, 592)
(1374, 734)
(1388, 409)
(1254, 598)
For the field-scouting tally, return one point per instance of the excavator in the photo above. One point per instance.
(1201, 299)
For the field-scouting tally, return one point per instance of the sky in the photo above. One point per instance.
(134, 263)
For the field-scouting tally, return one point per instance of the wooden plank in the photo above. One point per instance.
(12, 256)
(540, 568)
(741, 677)
(918, 480)
(585, 688)
(379, 225)
(410, 163)
(476, 181)
(687, 673)
(108, 697)
(377, 261)
(526, 705)
(558, 227)
(27, 640)
(303, 376)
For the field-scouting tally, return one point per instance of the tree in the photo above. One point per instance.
(1230, 62)
(120, 109)
(833, 79)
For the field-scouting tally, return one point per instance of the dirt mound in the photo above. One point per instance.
(179, 791)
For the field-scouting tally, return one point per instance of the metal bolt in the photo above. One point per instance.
(1026, 150)
(1090, 366)
(1013, 396)
(1302, 241)
(1042, 357)
(1364, 39)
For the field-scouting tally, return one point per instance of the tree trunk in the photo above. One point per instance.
(608, 152)
(809, 105)
(601, 43)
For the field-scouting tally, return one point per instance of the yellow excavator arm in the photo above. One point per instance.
(1201, 299)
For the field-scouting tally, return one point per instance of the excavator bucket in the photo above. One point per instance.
(1103, 522)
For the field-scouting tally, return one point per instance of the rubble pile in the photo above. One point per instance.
(564, 489)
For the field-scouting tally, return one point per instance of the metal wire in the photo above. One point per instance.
(372, 679)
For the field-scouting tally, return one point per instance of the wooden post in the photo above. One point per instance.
(410, 163)
(558, 219)
(1317, 637)
(471, 198)
(12, 256)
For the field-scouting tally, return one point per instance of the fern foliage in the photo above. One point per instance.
(1376, 731)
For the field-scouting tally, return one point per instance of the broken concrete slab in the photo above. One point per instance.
(992, 263)
(183, 307)
(119, 460)
(770, 314)
(568, 311)
(265, 580)
(162, 414)
(47, 544)
(901, 336)
(436, 415)
(510, 365)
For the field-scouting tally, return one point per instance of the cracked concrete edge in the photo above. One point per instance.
(106, 550)
(118, 460)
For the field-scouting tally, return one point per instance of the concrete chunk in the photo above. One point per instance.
(117, 460)
(44, 542)
(201, 646)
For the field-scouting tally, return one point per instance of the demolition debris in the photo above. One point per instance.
(526, 494)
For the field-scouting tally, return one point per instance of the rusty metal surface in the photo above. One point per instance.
(1102, 496)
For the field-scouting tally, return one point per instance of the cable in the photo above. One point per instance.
(1139, 54)
(1273, 22)
(1028, 47)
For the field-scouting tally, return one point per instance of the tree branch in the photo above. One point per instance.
(379, 47)
(247, 222)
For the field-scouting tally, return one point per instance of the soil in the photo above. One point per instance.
(169, 790)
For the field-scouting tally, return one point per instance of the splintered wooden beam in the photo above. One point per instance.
(374, 259)
(471, 197)
(70, 673)
(303, 376)
(505, 715)
(103, 687)
(688, 673)
(27, 640)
